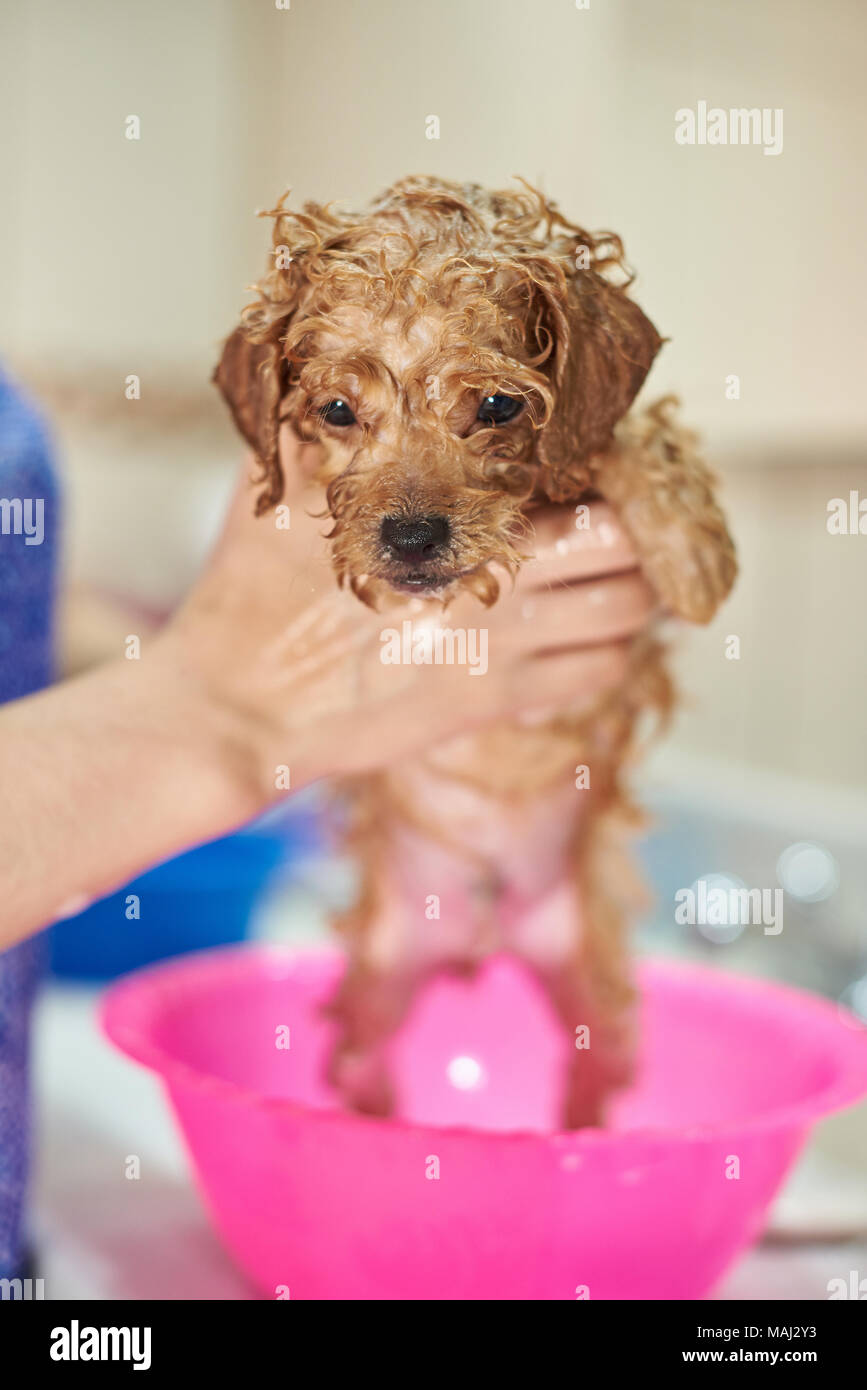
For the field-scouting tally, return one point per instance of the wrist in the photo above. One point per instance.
(214, 740)
(108, 774)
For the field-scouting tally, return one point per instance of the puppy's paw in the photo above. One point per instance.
(362, 1081)
(591, 1082)
(666, 497)
(691, 565)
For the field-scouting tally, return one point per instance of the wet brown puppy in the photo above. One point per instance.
(464, 355)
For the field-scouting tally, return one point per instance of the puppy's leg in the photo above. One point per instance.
(580, 964)
(423, 906)
(571, 932)
(369, 1007)
(664, 493)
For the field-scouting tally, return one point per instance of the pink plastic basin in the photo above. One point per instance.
(472, 1192)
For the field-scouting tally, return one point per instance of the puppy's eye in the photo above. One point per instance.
(499, 410)
(337, 413)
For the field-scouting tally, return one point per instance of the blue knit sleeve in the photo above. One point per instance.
(29, 531)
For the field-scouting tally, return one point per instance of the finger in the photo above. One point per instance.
(239, 536)
(599, 610)
(569, 681)
(566, 545)
(300, 460)
(242, 504)
(286, 543)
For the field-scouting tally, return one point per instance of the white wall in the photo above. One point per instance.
(119, 252)
(119, 256)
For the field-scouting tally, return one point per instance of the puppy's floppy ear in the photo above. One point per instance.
(604, 347)
(252, 378)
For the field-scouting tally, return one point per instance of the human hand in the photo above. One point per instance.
(269, 667)
(296, 671)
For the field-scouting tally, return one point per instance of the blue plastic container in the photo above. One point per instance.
(202, 898)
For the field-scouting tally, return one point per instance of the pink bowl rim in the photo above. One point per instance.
(132, 1004)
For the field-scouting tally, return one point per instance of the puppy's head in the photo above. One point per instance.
(457, 353)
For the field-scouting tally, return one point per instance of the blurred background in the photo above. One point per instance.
(123, 257)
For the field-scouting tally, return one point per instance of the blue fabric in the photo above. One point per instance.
(28, 573)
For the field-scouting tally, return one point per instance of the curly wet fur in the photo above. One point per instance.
(514, 298)
(435, 296)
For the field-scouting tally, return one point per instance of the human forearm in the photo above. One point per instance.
(105, 775)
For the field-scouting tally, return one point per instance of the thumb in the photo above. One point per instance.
(300, 460)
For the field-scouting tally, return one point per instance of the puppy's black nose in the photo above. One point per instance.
(419, 539)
